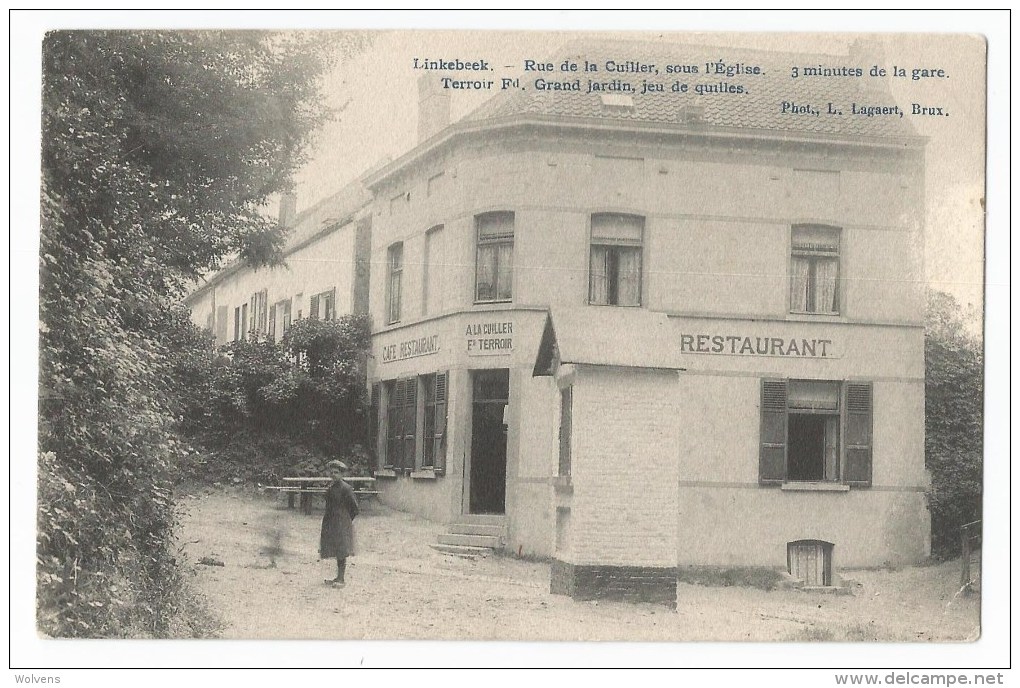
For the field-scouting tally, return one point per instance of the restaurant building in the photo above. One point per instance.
(634, 333)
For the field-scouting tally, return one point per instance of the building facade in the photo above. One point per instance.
(649, 332)
(325, 275)
(636, 332)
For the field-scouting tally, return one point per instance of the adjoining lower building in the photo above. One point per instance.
(634, 333)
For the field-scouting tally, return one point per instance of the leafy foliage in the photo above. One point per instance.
(954, 412)
(159, 150)
(292, 406)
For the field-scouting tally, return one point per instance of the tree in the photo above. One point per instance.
(954, 413)
(258, 407)
(160, 150)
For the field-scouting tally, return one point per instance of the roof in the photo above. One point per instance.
(607, 336)
(322, 218)
(759, 108)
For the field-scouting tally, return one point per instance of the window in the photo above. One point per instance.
(279, 319)
(495, 258)
(810, 561)
(814, 270)
(434, 435)
(395, 263)
(815, 431)
(259, 322)
(401, 424)
(432, 277)
(614, 276)
(241, 323)
(323, 305)
(566, 422)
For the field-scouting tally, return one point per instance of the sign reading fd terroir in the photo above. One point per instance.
(741, 345)
(419, 346)
(489, 338)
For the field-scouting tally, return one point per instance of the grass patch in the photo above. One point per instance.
(759, 577)
(842, 633)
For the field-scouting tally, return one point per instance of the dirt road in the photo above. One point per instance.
(271, 586)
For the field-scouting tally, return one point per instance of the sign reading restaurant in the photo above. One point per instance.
(740, 345)
(489, 339)
(412, 348)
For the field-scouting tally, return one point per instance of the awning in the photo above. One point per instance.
(606, 336)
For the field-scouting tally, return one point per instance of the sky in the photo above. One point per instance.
(378, 88)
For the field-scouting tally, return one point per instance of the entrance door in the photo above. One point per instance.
(490, 394)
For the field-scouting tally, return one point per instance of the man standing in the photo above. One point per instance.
(337, 536)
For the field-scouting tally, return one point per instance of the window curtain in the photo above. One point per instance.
(825, 286)
(598, 290)
(486, 285)
(799, 284)
(505, 267)
(628, 286)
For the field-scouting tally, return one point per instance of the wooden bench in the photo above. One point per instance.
(307, 487)
(304, 492)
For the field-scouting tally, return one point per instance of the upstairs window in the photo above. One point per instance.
(395, 270)
(495, 257)
(814, 270)
(614, 276)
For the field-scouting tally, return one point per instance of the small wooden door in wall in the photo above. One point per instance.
(810, 561)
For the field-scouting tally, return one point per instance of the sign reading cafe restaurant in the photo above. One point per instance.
(412, 348)
(740, 345)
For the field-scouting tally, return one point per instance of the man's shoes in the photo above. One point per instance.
(335, 582)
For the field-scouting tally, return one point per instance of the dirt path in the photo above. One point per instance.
(271, 586)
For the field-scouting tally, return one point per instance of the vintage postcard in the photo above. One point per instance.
(467, 335)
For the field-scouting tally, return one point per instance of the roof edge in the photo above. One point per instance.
(464, 128)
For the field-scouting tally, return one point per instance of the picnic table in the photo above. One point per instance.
(306, 487)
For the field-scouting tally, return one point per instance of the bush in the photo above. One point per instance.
(954, 412)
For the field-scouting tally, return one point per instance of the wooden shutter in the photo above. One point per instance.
(313, 309)
(264, 311)
(394, 424)
(442, 393)
(858, 434)
(566, 421)
(272, 323)
(772, 457)
(372, 441)
(331, 304)
(410, 423)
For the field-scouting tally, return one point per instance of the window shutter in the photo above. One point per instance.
(772, 458)
(253, 313)
(313, 309)
(331, 304)
(272, 323)
(410, 422)
(566, 421)
(858, 434)
(439, 455)
(264, 310)
(394, 425)
(372, 441)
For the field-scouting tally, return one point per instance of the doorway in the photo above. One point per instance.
(490, 394)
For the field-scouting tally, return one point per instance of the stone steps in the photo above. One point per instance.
(473, 535)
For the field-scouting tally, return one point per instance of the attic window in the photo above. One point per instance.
(616, 100)
(692, 114)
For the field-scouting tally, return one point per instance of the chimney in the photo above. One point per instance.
(288, 208)
(433, 107)
(867, 52)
